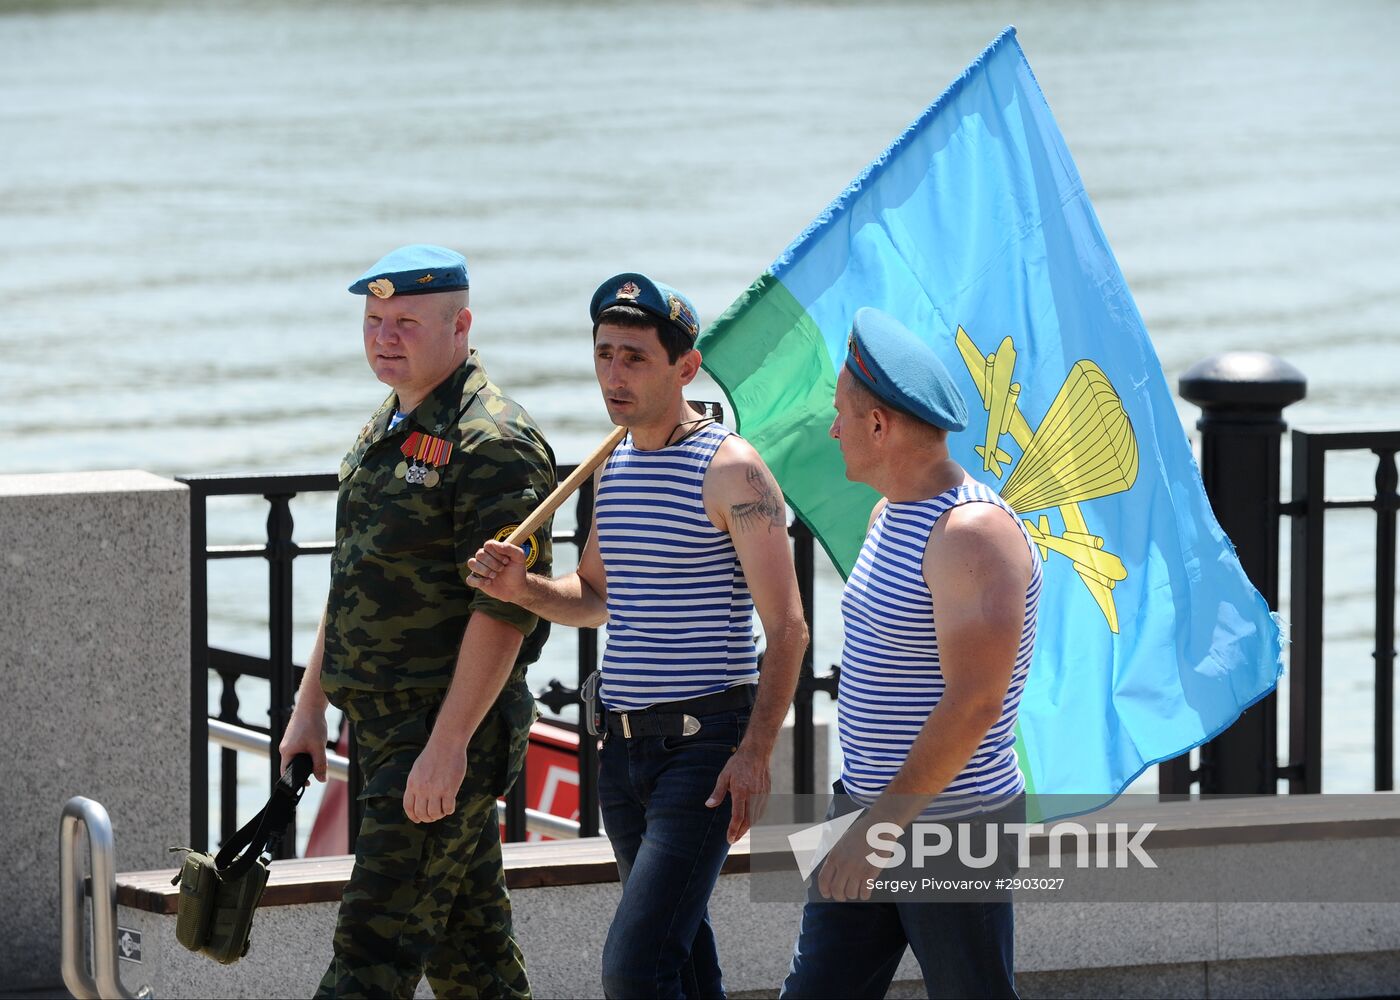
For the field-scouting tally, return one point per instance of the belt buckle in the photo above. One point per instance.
(626, 726)
(690, 725)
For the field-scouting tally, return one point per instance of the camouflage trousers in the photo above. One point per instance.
(426, 898)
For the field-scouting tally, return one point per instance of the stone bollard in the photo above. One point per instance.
(1242, 396)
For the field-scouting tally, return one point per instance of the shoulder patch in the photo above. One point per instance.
(531, 545)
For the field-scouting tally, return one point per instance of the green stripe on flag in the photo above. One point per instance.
(1023, 755)
(770, 359)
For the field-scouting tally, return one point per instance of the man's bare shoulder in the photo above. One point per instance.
(740, 489)
(735, 452)
(985, 539)
(969, 521)
(731, 466)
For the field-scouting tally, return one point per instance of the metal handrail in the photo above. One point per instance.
(233, 737)
(84, 814)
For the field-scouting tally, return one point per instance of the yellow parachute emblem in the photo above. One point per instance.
(1083, 450)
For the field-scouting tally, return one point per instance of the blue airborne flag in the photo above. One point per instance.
(974, 229)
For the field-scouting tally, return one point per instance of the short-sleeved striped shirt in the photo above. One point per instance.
(680, 615)
(891, 678)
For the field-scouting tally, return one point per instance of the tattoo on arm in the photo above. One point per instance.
(766, 509)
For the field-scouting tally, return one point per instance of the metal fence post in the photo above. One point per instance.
(588, 811)
(282, 674)
(804, 742)
(199, 669)
(1387, 508)
(1242, 395)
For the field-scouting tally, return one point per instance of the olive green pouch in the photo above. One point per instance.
(220, 893)
(231, 928)
(199, 884)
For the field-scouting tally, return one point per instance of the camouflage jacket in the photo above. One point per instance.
(399, 601)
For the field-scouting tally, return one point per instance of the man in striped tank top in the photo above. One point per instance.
(925, 712)
(689, 536)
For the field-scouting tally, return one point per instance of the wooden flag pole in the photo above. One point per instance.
(567, 488)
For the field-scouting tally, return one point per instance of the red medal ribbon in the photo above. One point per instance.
(426, 449)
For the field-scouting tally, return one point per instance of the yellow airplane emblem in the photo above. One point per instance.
(1084, 449)
(1000, 399)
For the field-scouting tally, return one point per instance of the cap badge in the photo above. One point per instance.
(855, 353)
(382, 288)
(426, 279)
(628, 291)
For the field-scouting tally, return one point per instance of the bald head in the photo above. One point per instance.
(453, 303)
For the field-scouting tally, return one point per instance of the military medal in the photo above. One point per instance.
(423, 452)
(400, 470)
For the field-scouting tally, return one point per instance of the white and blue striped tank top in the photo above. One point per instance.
(680, 615)
(890, 674)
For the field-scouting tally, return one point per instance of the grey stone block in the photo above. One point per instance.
(1376, 974)
(755, 940)
(561, 934)
(291, 946)
(1182, 979)
(1051, 936)
(94, 650)
(562, 929)
(1267, 930)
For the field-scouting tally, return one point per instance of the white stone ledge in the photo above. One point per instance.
(60, 483)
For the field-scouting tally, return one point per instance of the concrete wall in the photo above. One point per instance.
(94, 656)
(1063, 949)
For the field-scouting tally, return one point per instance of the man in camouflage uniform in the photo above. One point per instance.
(430, 672)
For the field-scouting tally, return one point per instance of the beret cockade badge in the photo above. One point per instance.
(382, 288)
(629, 291)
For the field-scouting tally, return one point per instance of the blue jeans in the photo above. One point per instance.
(669, 847)
(852, 949)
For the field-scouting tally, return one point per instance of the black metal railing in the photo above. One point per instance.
(282, 676)
(1307, 507)
(1242, 397)
(280, 550)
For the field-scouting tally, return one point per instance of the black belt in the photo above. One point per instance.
(679, 718)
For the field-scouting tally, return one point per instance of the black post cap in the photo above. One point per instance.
(1244, 380)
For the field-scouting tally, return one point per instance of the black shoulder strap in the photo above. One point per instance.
(244, 847)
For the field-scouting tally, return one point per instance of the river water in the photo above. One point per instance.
(186, 189)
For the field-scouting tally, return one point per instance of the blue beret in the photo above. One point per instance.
(662, 301)
(414, 270)
(903, 370)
